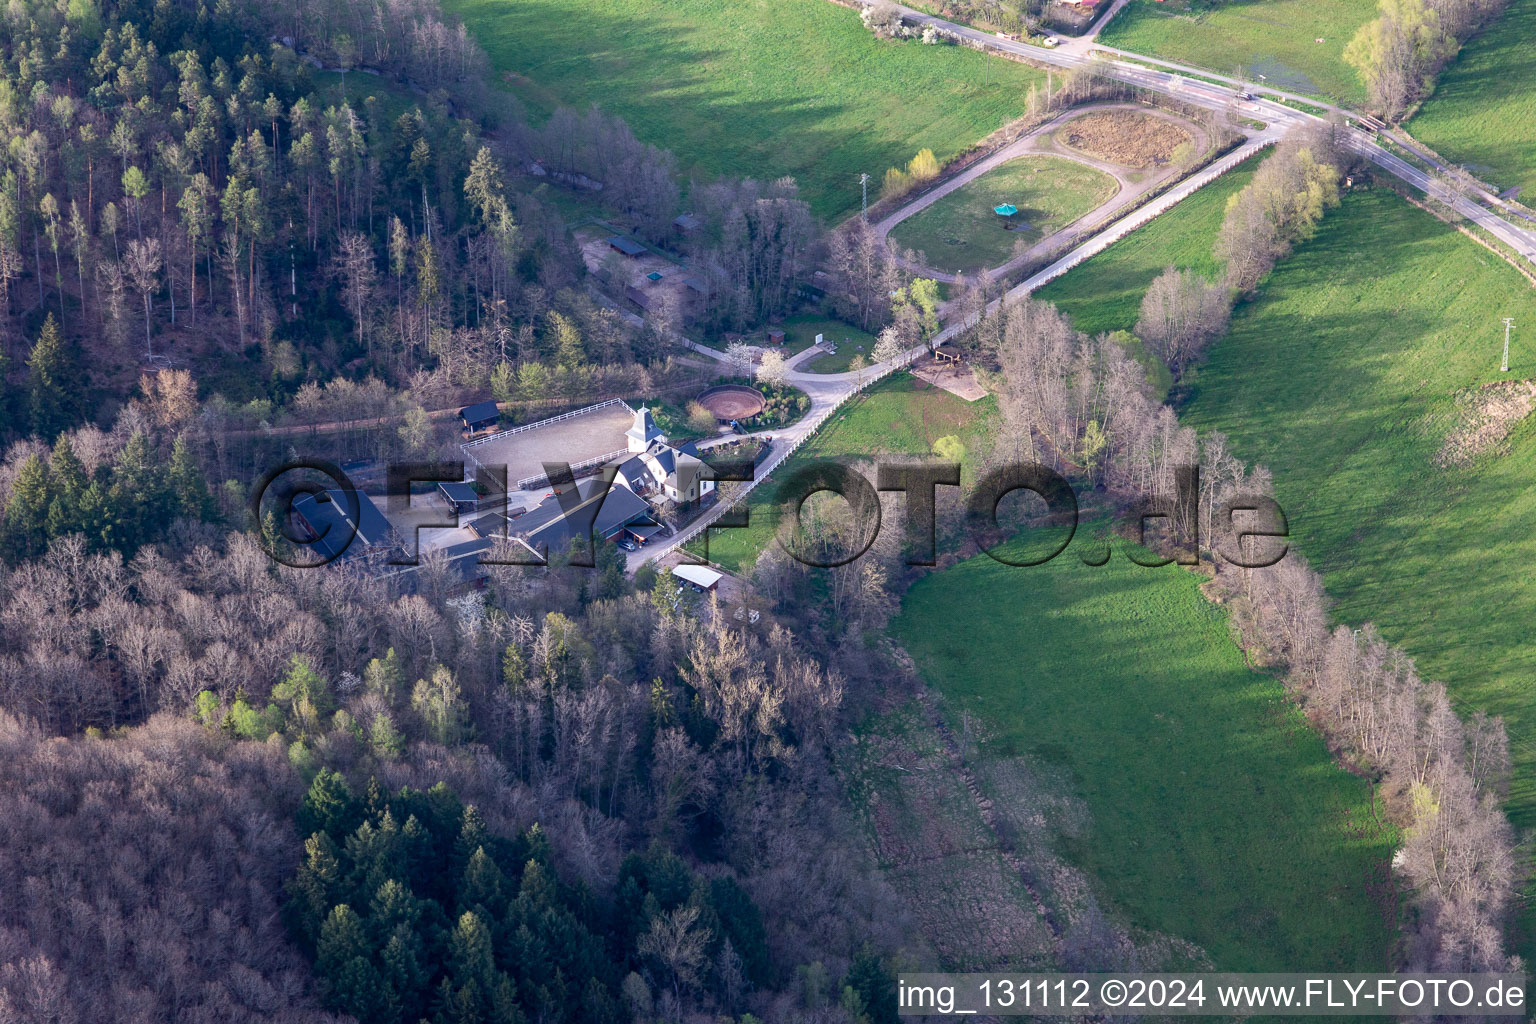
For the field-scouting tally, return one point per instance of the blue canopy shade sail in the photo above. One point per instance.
(1006, 210)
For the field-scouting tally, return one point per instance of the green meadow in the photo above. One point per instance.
(750, 87)
(901, 415)
(1343, 377)
(1104, 293)
(1483, 110)
(1217, 815)
(1274, 38)
(963, 232)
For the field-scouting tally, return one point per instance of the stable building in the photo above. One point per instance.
(480, 416)
(627, 246)
(460, 498)
(343, 525)
(596, 510)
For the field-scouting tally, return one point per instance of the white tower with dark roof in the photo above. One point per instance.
(644, 432)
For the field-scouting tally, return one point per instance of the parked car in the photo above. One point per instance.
(627, 544)
(1050, 41)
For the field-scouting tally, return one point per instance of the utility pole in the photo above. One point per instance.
(864, 196)
(1509, 322)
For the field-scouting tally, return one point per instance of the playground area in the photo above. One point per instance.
(949, 371)
(576, 439)
(964, 232)
(1042, 192)
(732, 402)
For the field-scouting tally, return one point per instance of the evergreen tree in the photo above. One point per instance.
(875, 985)
(26, 513)
(328, 807)
(49, 382)
(189, 491)
(136, 500)
(70, 483)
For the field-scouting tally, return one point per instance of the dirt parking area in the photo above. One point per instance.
(956, 378)
(1131, 138)
(574, 440)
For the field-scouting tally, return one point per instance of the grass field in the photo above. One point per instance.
(1216, 814)
(751, 87)
(800, 333)
(1104, 294)
(1342, 378)
(1483, 110)
(900, 415)
(1274, 38)
(961, 231)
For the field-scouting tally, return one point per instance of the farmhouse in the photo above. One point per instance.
(659, 471)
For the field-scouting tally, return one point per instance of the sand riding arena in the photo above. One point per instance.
(732, 402)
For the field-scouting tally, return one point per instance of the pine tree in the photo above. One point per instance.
(69, 484)
(189, 491)
(328, 807)
(49, 382)
(137, 497)
(26, 513)
(514, 673)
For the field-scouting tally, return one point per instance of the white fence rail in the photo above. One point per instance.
(776, 458)
(543, 423)
(539, 478)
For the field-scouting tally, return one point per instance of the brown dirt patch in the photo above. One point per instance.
(956, 378)
(1126, 137)
(1488, 414)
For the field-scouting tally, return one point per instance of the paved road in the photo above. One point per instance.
(829, 390)
(1172, 79)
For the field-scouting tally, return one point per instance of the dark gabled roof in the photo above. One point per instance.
(458, 492)
(330, 514)
(645, 531)
(697, 284)
(492, 525)
(627, 246)
(479, 412)
(686, 221)
(665, 457)
(633, 470)
(601, 515)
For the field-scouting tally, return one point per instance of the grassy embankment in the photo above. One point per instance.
(1274, 38)
(750, 87)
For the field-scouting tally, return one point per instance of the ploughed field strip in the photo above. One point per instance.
(1126, 137)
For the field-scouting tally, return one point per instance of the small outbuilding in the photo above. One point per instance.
(480, 416)
(698, 577)
(461, 497)
(686, 223)
(776, 338)
(628, 246)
